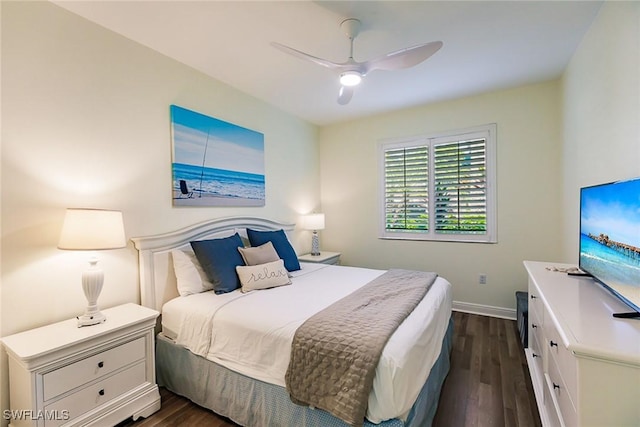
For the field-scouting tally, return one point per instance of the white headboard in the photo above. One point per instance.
(157, 279)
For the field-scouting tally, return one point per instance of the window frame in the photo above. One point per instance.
(487, 132)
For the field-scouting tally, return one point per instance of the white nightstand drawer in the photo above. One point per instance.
(81, 372)
(97, 394)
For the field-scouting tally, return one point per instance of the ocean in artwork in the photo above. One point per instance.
(222, 164)
(207, 182)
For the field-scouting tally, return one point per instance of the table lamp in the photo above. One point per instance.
(92, 230)
(314, 222)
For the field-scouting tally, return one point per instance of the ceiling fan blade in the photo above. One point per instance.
(307, 57)
(345, 94)
(404, 58)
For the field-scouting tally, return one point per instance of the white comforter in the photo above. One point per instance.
(252, 333)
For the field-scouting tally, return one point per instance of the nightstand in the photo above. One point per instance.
(98, 375)
(324, 258)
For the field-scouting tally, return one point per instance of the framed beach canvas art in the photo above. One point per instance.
(215, 163)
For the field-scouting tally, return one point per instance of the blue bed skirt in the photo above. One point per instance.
(254, 403)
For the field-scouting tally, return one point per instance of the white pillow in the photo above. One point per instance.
(263, 276)
(190, 276)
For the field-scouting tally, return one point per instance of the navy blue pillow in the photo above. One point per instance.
(219, 258)
(280, 243)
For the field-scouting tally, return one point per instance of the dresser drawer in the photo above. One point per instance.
(535, 304)
(563, 358)
(550, 410)
(559, 392)
(537, 356)
(83, 371)
(535, 328)
(95, 395)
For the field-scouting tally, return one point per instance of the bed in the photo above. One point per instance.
(229, 352)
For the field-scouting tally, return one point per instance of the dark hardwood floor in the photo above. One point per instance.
(488, 384)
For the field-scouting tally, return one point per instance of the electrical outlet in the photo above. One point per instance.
(482, 279)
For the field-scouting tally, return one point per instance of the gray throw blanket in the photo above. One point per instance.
(334, 353)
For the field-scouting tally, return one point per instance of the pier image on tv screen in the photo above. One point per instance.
(610, 237)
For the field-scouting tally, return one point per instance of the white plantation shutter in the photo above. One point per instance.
(440, 187)
(460, 191)
(406, 186)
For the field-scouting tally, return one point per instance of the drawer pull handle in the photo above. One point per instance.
(553, 344)
(533, 325)
(534, 355)
(100, 364)
(555, 386)
(101, 392)
(533, 297)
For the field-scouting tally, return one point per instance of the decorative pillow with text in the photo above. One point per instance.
(263, 276)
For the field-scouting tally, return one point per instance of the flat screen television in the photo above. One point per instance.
(610, 239)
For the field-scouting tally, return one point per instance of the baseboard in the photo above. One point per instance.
(485, 310)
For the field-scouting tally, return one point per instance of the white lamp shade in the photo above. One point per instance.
(92, 229)
(313, 221)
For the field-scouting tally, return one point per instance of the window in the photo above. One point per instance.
(440, 187)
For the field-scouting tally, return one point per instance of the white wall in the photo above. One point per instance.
(601, 110)
(528, 189)
(85, 122)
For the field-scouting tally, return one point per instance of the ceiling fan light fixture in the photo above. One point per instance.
(352, 72)
(350, 78)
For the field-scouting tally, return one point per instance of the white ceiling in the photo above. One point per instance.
(488, 45)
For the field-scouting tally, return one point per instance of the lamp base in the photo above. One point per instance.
(89, 319)
(315, 244)
(92, 280)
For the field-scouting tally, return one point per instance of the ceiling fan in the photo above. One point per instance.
(351, 71)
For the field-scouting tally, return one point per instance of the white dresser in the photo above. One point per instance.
(584, 363)
(96, 375)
